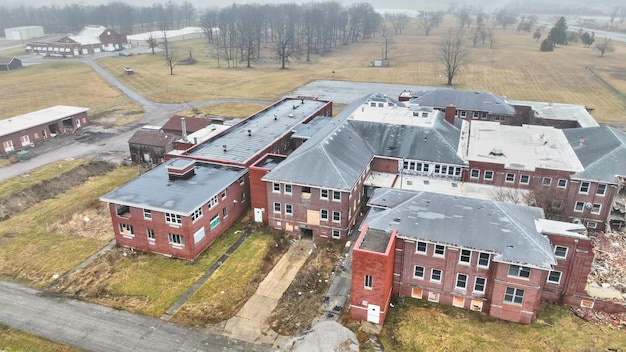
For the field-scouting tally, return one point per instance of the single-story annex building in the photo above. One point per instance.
(9, 63)
(25, 130)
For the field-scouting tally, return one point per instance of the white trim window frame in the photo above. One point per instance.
(439, 251)
(488, 175)
(584, 187)
(601, 189)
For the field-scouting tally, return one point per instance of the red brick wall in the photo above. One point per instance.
(575, 268)
(380, 267)
(532, 286)
(258, 190)
(187, 229)
(384, 165)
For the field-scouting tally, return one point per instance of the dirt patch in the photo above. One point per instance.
(22, 200)
(302, 301)
(93, 223)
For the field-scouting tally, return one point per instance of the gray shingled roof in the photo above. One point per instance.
(334, 158)
(151, 138)
(154, 190)
(464, 100)
(506, 230)
(438, 143)
(601, 150)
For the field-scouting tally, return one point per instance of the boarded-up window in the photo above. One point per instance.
(458, 302)
(312, 217)
(416, 293)
(476, 306)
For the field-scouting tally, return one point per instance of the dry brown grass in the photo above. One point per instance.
(516, 69)
(227, 110)
(58, 82)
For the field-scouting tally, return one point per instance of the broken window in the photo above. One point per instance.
(368, 282)
(562, 183)
(150, 235)
(554, 277)
(579, 206)
(601, 190)
(175, 239)
(147, 214)
(126, 230)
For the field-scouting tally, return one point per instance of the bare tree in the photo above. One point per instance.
(511, 195)
(453, 54)
(426, 22)
(605, 47)
(152, 43)
(170, 61)
(398, 22)
(386, 35)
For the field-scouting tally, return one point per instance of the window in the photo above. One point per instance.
(554, 277)
(584, 187)
(368, 282)
(336, 216)
(562, 183)
(306, 190)
(276, 207)
(243, 197)
(418, 272)
(596, 208)
(196, 214)
(420, 247)
(288, 209)
(126, 230)
(546, 181)
(592, 224)
(212, 202)
(560, 252)
(276, 187)
(514, 295)
(175, 239)
(483, 259)
(475, 173)
(214, 222)
(173, 219)
(336, 195)
(519, 271)
(150, 234)
(223, 195)
(601, 190)
(488, 175)
(147, 214)
(435, 275)
(225, 212)
(475, 114)
(336, 234)
(509, 177)
(323, 194)
(323, 214)
(287, 189)
(479, 284)
(461, 281)
(433, 296)
(241, 181)
(466, 256)
(484, 117)
(463, 113)
(440, 250)
(579, 206)
(524, 179)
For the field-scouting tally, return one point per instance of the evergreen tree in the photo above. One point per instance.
(558, 33)
(547, 45)
(587, 39)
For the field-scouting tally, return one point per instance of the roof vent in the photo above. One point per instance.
(496, 151)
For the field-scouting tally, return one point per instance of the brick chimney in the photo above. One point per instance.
(450, 112)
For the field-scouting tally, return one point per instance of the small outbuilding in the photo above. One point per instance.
(9, 63)
(149, 146)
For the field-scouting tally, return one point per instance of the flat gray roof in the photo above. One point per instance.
(264, 127)
(508, 231)
(38, 118)
(154, 190)
(375, 241)
(560, 111)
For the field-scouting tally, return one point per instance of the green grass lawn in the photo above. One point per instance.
(18, 183)
(12, 340)
(418, 325)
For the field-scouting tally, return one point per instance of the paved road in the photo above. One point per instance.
(96, 328)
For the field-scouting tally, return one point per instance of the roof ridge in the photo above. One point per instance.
(513, 221)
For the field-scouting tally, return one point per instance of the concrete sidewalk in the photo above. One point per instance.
(249, 323)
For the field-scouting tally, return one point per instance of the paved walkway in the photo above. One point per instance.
(249, 323)
(96, 328)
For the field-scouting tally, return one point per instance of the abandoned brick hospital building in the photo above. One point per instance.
(433, 177)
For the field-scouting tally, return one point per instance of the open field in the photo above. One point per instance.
(514, 68)
(60, 82)
(418, 325)
(16, 184)
(227, 110)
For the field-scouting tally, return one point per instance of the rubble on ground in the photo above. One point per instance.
(608, 269)
(615, 320)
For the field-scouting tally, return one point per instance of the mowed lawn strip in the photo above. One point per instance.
(14, 340)
(38, 175)
(228, 289)
(417, 325)
(157, 281)
(30, 254)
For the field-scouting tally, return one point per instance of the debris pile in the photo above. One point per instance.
(609, 265)
(615, 320)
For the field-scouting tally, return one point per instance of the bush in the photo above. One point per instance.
(546, 45)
